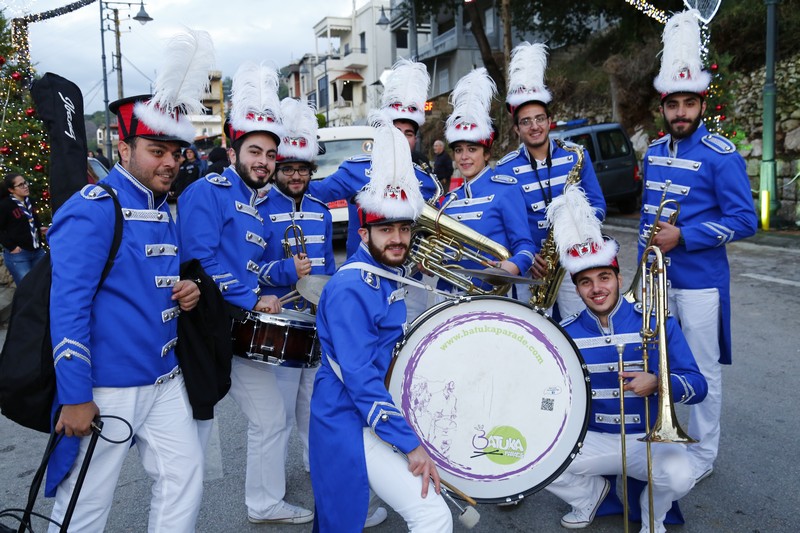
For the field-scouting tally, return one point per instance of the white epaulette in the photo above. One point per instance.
(719, 144)
(661, 140)
(95, 192)
(371, 279)
(360, 158)
(570, 319)
(508, 157)
(503, 178)
(218, 179)
(323, 204)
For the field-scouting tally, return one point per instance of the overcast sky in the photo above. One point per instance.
(69, 45)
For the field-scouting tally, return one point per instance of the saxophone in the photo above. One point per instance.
(543, 296)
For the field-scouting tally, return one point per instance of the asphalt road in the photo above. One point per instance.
(754, 487)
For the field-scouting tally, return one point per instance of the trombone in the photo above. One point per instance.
(630, 294)
(289, 251)
(666, 428)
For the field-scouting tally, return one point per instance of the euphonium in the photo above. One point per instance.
(630, 294)
(439, 240)
(544, 296)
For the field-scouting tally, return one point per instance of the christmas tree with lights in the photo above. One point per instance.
(23, 139)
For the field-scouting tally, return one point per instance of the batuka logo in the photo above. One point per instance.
(503, 445)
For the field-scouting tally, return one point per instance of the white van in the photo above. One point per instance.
(341, 143)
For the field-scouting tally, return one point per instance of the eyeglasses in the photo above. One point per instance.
(527, 122)
(23, 184)
(289, 171)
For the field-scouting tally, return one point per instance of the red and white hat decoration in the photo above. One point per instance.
(526, 76)
(472, 100)
(392, 193)
(299, 141)
(180, 85)
(681, 63)
(255, 105)
(577, 233)
(406, 91)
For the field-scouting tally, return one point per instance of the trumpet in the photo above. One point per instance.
(289, 250)
(630, 294)
(666, 428)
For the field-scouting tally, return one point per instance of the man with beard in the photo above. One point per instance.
(222, 228)
(114, 338)
(539, 164)
(707, 177)
(356, 430)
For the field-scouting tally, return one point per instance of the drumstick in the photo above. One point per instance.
(457, 492)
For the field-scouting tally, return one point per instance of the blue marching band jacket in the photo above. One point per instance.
(708, 179)
(126, 335)
(541, 183)
(360, 318)
(349, 178)
(278, 272)
(492, 205)
(599, 351)
(221, 227)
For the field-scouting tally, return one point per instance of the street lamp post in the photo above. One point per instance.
(143, 18)
(768, 199)
(383, 23)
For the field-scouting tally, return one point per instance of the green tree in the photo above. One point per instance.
(23, 140)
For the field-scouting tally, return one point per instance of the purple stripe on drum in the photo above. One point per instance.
(433, 337)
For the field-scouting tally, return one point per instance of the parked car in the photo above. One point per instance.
(613, 157)
(341, 143)
(95, 170)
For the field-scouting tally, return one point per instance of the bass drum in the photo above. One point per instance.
(497, 393)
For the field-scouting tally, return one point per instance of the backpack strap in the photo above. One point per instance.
(117, 234)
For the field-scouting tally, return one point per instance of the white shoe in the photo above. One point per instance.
(659, 529)
(581, 517)
(285, 513)
(377, 517)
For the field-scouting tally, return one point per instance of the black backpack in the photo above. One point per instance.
(27, 375)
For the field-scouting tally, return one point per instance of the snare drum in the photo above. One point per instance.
(285, 339)
(497, 393)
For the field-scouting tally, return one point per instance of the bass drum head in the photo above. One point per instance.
(497, 393)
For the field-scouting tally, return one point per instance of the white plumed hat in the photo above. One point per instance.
(181, 82)
(681, 64)
(299, 141)
(392, 194)
(526, 76)
(576, 231)
(255, 105)
(472, 100)
(406, 91)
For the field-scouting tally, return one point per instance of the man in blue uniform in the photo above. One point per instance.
(539, 164)
(294, 253)
(358, 436)
(607, 324)
(707, 177)
(403, 101)
(114, 346)
(222, 228)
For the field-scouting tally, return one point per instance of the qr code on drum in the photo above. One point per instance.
(548, 404)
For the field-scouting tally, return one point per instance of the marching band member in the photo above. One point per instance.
(541, 166)
(403, 100)
(488, 202)
(707, 177)
(285, 205)
(608, 321)
(358, 436)
(114, 346)
(222, 228)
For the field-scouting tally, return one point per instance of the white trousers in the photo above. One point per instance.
(568, 300)
(166, 439)
(601, 455)
(296, 386)
(256, 388)
(391, 480)
(699, 314)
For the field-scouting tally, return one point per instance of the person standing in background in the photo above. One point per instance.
(20, 227)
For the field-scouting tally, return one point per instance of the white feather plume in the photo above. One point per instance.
(681, 64)
(471, 100)
(573, 220)
(255, 91)
(407, 86)
(393, 189)
(183, 77)
(299, 130)
(526, 74)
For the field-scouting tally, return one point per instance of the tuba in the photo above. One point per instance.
(438, 239)
(543, 296)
